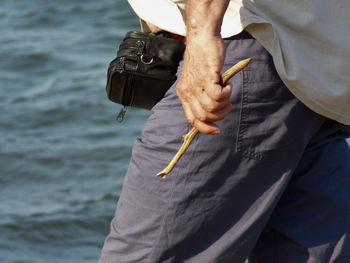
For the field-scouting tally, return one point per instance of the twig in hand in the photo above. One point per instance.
(188, 137)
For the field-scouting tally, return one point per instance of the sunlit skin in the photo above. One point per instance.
(203, 99)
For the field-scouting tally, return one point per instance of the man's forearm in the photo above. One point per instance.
(204, 17)
(203, 98)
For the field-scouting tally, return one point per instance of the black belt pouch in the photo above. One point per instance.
(144, 69)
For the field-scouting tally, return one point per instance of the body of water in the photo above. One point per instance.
(62, 155)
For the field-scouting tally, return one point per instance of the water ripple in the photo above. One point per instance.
(62, 155)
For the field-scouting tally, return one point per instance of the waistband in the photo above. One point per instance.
(242, 35)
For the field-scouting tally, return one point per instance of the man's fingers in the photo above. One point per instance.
(218, 93)
(207, 128)
(210, 105)
(202, 115)
(202, 120)
(226, 91)
(203, 127)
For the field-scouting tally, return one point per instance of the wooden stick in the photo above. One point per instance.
(188, 137)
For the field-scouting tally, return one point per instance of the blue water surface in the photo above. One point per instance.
(63, 156)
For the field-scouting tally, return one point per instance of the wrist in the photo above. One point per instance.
(204, 17)
(198, 38)
(196, 27)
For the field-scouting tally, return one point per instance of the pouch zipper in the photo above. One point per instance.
(127, 97)
(121, 114)
(139, 46)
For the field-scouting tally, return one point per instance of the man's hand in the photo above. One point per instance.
(203, 99)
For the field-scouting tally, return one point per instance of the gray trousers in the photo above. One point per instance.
(274, 186)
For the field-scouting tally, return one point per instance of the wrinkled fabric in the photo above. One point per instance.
(274, 185)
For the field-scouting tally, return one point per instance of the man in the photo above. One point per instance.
(273, 183)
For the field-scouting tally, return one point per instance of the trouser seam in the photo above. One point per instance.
(243, 114)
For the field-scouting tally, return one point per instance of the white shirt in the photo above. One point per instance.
(308, 39)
